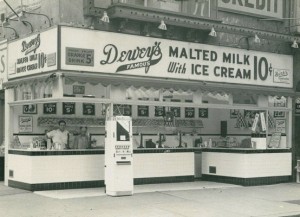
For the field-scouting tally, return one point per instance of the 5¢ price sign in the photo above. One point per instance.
(203, 112)
(68, 108)
(50, 108)
(143, 111)
(88, 109)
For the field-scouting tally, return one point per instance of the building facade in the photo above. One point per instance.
(211, 87)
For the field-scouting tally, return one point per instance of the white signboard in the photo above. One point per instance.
(34, 54)
(107, 52)
(265, 8)
(3, 63)
(25, 124)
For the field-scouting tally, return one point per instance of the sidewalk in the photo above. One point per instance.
(195, 199)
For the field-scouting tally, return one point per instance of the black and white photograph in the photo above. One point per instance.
(149, 108)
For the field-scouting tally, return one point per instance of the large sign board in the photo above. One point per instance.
(153, 57)
(265, 8)
(34, 54)
(3, 63)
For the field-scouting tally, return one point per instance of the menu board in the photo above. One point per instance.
(49, 108)
(189, 112)
(159, 111)
(275, 140)
(203, 112)
(176, 111)
(88, 109)
(122, 109)
(143, 111)
(68, 108)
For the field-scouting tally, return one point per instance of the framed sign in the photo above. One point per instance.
(159, 111)
(175, 111)
(88, 109)
(280, 125)
(49, 108)
(279, 114)
(78, 89)
(203, 112)
(25, 124)
(30, 109)
(143, 111)
(122, 109)
(189, 112)
(68, 108)
(297, 105)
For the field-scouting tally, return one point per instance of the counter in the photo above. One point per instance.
(247, 166)
(46, 170)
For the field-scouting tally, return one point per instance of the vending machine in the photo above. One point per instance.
(118, 156)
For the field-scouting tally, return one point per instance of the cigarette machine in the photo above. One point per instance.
(118, 156)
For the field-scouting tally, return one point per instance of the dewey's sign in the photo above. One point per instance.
(266, 8)
(152, 57)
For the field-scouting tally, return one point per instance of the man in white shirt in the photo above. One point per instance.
(60, 137)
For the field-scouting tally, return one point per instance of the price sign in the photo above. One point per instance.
(189, 112)
(159, 111)
(279, 114)
(78, 89)
(88, 109)
(143, 111)
(297, 106)
(176, 111)
(120, 109)
(203, 112)
(68, 108)
(50, 108)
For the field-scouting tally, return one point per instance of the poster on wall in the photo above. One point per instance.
(30, 109)
(189, 112)
(203, 112)
(297, 105)
(280, 125)
(88, 109)
(143, 111)
(49, 108)
(25, 124)
(3, 65)
(68, 108)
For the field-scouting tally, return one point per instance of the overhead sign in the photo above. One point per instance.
(152, 57)
(34, 54)
(3, 63)
(265, 8)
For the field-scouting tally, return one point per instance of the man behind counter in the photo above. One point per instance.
(60, 137)
(82, 141)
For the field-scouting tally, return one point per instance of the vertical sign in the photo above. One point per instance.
(25, 124)
(3, 63)
(176, 111)
(297, 105)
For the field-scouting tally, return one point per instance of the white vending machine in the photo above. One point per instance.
(118, 156)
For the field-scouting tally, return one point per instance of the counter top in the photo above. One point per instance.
(247, 150)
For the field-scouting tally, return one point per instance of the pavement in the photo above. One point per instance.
(199, 198)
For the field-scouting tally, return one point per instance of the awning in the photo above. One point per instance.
(175, 84)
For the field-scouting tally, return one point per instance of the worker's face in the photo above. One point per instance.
(62, 126)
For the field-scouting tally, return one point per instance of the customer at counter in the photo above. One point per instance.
(82, 140)
(60, 137)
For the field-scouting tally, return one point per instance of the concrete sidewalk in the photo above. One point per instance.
(165, 200)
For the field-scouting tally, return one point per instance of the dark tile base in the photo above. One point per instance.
(1, 168)
(247, 181)
(170, 179)
(94, 184)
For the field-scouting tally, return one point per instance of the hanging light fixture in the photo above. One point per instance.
(213, 33)
(105, 18)
(256, 39)
(295, 44)
(162, 25)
